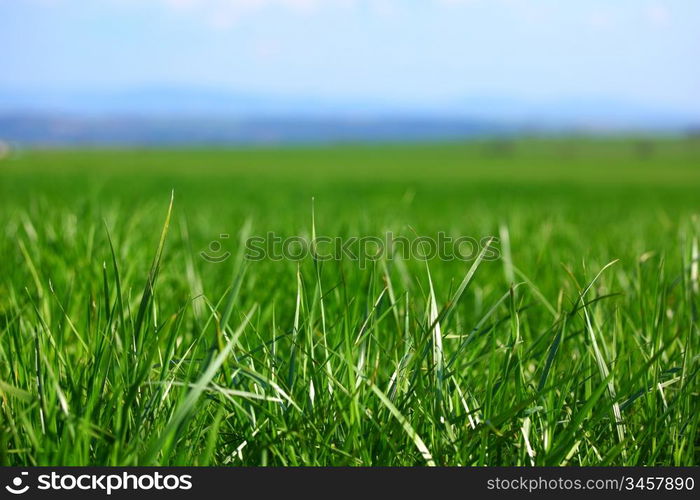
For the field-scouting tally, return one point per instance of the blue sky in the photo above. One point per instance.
(415, 51)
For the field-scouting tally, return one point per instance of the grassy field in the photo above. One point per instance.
(120, 344)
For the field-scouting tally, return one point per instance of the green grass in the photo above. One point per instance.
(580, 345)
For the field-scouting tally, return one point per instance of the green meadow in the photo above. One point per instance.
(569, 337)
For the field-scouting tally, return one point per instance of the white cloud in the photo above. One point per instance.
(225, 13)
(243, 6)
(455, 3)
(601, 20)
(658, 14)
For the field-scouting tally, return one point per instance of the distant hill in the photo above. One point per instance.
(184, 101)
(174, 115)
(60, 130)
